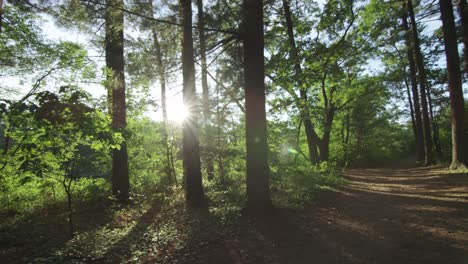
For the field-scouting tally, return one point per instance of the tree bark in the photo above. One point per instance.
(303, 104)
(116, 87)
(464, 21)
(258, 191)
(194, 194)
(428, 153)
(459, 157)
(419, 138)
(205, 92)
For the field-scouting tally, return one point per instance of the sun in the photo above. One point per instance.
(178, 113)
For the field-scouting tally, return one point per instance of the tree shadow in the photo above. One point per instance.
(41, 232)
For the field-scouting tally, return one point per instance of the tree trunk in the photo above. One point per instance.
(221, 170)
(325, 142)
(428, 154)
(194, 194)
(116, 87)
(435, 133)
(161, 70)
(459, 149)
(419, 136)
(311, 135)
(345, 137)
(258, 191)
(1, 15)
(410, 103)
(205, 91)
(464, 20)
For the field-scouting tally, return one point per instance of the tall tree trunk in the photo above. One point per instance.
(345, 136)
(194, 194)
(116, 86)
(205, 91)
(161, 70)
(464, 21)
(258, 191)
(221, 170)
(410, 103)
(428, 155)
(303, 104)
(459, 148)
(419, 138)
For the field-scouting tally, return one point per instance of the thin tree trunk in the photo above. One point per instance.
(435, 133)
(410, 102)
(194, 194)
(116, 86)
(464, 21)
(428, 155)
(161, 69)
(303, 104)
(171, 159)
(205, 91)
(459, 149)
(71, 231)
(1, 15)
(345, 137)
(7, 141)
(258, 191)
(419, 139)
(218, 126)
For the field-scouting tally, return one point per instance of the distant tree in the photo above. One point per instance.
(415, 44)
(459, 130)
(419, 138)
(115, 83)
(194, 194)
(161, 73)
(205, 92)
(258, 191)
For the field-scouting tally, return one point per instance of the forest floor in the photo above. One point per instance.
(377, 216)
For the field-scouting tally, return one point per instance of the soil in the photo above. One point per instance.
(379, 216)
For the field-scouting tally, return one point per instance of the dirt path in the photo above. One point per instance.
(379, 216)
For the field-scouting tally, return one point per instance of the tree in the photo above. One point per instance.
(115, 64)
(464, 22)
(459, 131)
(419, 138)
(428, 152)
(258, 190)
(205, 91)
(194, 194)
(161, 72)
(311, 135)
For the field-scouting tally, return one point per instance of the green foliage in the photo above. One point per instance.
(299, 185)
(54, 138)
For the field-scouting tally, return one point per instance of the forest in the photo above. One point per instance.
(233, 131)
